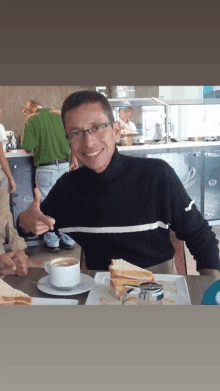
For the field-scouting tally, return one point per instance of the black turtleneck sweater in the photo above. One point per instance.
(127, 212)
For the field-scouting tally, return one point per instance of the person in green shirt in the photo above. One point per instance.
(45, 135)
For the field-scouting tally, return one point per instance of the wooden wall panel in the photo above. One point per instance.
(141, 92)
(146, 91)
(13, 98)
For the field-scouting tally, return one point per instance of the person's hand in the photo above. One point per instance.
(12, 186)
(33, 220)
(74, 163)
(209, 272)
(21, 261)
(7, 265)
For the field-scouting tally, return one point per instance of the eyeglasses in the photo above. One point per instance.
(96, 129)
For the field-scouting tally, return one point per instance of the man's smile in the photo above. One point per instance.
(96, 153)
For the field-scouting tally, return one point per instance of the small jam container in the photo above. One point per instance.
(149, 293)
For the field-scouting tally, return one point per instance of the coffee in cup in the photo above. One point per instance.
(65, 262)
(64, 272)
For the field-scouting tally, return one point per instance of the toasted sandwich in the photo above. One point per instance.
(124, 273)
(11, 296)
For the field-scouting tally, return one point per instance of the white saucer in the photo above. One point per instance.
(85, 285)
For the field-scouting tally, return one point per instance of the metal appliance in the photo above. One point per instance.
(10, 135)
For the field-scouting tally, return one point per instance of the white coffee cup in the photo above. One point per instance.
(64, 272)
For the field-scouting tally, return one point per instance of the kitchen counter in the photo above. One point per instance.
(18, 153)
(180, 144)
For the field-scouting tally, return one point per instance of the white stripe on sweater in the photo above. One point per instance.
(190, 206)
(132, 228)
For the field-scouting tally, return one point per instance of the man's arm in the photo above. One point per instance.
(33, 220)
(209, 272)
(43, 216)
(191, 227)
(28, 139)
(6, 169)
(133, 127)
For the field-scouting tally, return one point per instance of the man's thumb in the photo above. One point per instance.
(37, 197)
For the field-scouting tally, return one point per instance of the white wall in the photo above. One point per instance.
(181, 92)
(194, 121)
(216, 88)
(191, 120)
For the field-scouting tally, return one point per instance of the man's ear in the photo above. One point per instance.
(117, 130)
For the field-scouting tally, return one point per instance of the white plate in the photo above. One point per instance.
(85, 285)
(52, 301)
(102, 279)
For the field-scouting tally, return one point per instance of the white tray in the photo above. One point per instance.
(53, 301)
(102, 285)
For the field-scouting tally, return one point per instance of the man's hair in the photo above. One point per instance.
(31, 107)
(81, 97)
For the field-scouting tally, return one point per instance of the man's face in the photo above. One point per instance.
(92, 150)
(125, 114)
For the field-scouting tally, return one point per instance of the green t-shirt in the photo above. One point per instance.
(45, 135)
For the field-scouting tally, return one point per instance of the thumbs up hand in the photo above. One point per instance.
(33, 220)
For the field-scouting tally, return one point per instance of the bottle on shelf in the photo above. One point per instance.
(14, 142)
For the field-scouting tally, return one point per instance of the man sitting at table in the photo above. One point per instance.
(118, 206)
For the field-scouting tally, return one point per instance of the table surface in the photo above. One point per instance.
(196, 285)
